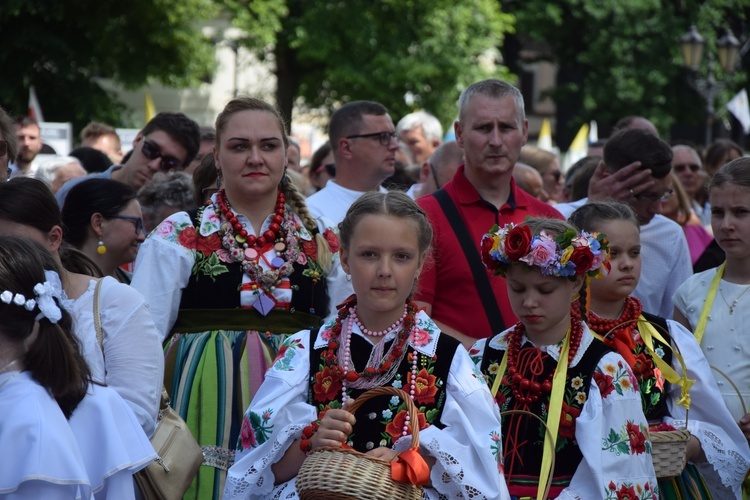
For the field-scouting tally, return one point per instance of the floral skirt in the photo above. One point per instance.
(213, 372)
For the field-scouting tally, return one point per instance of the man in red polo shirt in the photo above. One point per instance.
(491, 129)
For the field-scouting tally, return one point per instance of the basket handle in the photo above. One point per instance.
(392, 391)
(736, 389)
(549, 434)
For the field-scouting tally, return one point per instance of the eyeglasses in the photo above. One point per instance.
(384, 138)
(137, 221)
(3, 148)
(684, 166)
(152, 151)
(649, 198)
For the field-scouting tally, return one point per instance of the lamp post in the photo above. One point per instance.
(692, 45)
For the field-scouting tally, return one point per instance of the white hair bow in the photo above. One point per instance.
(46, 293)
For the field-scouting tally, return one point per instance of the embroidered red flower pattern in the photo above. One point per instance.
(643, 368)
(187, 238)
(327, 385)
(604, 382)
(396, 427)
(425, 388)
(568, 417)
(310, 248)
(637, 438)
(627, 493)
(247, 434)
(208, 244)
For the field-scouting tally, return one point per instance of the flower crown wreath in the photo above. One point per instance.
(569, 254)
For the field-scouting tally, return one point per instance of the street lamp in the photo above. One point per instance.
(692, 45)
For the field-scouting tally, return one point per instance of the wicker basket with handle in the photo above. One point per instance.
(343, 474)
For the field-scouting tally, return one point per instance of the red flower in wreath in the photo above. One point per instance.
(327, 385)
(518, 242)
(637, 438)
(424, 387)
(396, 427)
(643, 368)
(626, 493)
(568, 421)
(489, 262)
(310, 248)
(604, 382)
(187, 238)
(332, 239)
(208, 245)
(582, 258)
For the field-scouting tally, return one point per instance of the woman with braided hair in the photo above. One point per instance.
(549, 364)
(228, 282)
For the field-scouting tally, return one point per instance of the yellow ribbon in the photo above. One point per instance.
(701, 328)
(555, 408)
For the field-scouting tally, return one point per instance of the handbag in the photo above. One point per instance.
(178, 454)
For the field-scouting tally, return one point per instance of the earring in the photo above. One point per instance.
(348, 277)
(284, 178)
(101, 249)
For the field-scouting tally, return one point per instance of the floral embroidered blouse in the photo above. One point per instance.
(606, 423)
(462, 432)
(182, 251)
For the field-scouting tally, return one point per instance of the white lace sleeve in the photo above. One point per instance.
(726, 449)
(468, 448)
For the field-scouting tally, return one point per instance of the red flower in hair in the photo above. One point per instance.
(489, 262)
(518, 242)
(582, 258)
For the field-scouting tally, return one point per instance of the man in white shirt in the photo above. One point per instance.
(664, 250)
(364, 145)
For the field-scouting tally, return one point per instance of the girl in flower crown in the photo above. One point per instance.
(717, 455)
(378, 339)
(549, 364)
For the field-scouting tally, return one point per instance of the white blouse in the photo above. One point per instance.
(133, 363)
(463, 449)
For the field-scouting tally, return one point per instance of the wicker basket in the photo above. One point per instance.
(340, 474)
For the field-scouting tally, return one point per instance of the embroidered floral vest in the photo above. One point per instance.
(220, 290)
(380, 420)
(523, 436)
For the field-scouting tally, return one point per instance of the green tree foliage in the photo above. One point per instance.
(62, 47)
(622, 57)
(332, 51)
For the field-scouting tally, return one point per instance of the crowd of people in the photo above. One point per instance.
(266, 294)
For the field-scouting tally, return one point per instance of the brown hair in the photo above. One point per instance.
(53, 358)
(735, 172)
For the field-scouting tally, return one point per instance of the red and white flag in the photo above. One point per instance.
(35, 110)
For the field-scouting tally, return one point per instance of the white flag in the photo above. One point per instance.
(35, 110)
(740, 108)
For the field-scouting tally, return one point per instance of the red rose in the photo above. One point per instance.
(643, 368)
(582, 258)
(626, 493)
(424, 387)
(187, 238)
(568, 421)
(518, 242)
(208, 245)
(489, 262)
(327, 386)
(604, 382)
(332, 239)
(637, 438)
(396, 427)
(310, 248)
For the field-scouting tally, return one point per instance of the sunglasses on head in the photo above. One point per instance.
(684, 166)
(152, 151)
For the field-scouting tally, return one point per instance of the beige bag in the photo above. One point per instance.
(179, 455)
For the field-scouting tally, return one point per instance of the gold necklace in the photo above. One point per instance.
(734, 303)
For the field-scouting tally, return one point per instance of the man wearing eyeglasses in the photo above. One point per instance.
(168, 142)
(665, 255)
(456, 291)
(364, 145)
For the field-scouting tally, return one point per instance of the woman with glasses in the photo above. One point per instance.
(228, 282)
(131, 362)
(103, 220)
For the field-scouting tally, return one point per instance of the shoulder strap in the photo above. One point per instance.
(98, 316)
(478, 271)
